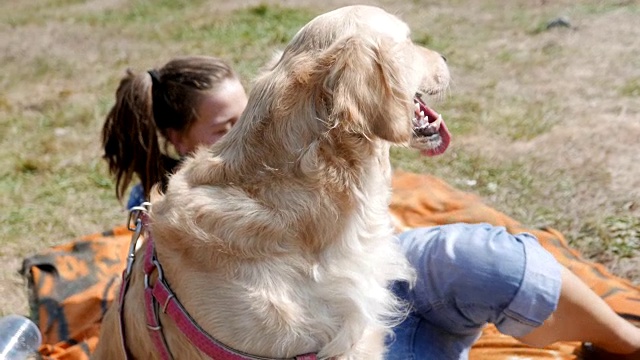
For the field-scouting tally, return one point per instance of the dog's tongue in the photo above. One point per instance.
(435, 124)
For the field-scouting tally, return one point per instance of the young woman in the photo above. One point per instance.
(468, 275)
(164, 114)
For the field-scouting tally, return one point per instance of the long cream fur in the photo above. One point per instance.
(277, 239)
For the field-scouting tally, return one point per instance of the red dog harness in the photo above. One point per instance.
(159, 296)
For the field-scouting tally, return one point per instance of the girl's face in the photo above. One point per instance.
(217, 113)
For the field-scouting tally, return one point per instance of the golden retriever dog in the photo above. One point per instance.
(277, 240)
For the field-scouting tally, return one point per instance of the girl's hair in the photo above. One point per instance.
(134, 135)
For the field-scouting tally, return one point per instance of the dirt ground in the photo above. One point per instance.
(584, 77)
(598, 137)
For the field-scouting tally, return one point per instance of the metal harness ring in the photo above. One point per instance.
(135, 216)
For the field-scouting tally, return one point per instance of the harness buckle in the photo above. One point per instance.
(135, 213)
(135, 217)
(156, 265)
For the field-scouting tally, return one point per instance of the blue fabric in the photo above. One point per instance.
(136, 196)
(468, 276)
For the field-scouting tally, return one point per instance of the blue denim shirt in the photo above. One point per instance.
(136, 196)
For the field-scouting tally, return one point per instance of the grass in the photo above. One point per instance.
(613, 236)
(631, 87)
(513, 186)
(512, 87)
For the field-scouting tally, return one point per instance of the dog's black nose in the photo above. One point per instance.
(443, 57)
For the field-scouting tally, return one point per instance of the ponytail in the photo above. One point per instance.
(130, 136)
(148, 105)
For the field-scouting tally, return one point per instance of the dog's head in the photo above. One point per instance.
(359, 71)
(348, 82)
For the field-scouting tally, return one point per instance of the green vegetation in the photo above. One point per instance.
(612, 236)
(631, 87)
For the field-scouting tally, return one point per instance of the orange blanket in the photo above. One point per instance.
(73, 284)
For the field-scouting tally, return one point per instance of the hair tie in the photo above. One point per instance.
(155, 77)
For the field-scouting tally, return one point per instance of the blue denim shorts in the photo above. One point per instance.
(468, 276)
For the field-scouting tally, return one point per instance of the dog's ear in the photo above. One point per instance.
(367, 89)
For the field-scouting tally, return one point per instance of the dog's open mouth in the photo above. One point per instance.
(431, 135)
